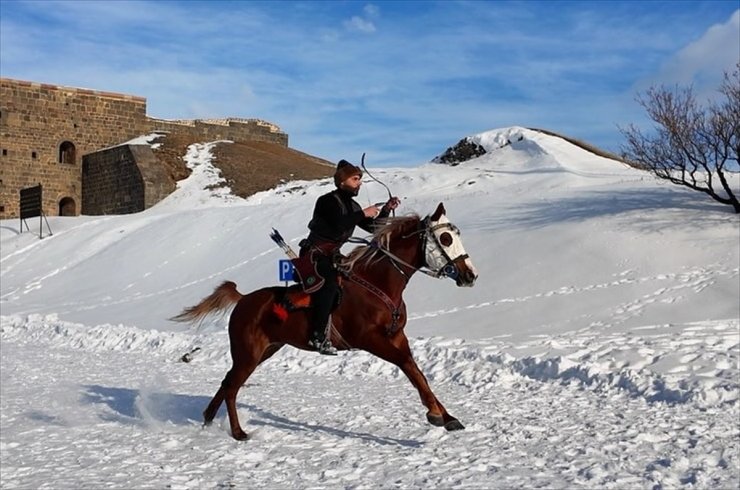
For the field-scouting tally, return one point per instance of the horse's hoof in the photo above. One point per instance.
(240, 436)
(454, 424)
(207, 418)
(435, 419)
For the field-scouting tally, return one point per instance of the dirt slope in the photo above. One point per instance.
(247, 167)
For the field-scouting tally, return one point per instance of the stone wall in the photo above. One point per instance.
(123, 179)
(46, 129)
(112, 183)
(232, 129)
(157, 183)
(35, 122)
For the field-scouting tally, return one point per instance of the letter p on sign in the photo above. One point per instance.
(285, 269)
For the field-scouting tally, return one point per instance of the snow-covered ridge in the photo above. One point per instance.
(546, 152)
(496, 139)
(697, 364)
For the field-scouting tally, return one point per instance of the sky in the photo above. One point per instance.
(598, 349)
(400, 81)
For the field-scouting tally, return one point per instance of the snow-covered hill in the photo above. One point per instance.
(599, 346)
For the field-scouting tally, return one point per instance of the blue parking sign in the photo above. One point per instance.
(285, 269)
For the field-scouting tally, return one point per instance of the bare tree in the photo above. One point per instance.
(693, 146)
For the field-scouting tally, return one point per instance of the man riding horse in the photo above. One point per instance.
(371, 317)
(335, 216)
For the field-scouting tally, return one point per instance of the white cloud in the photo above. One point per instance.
(703, 62)
(371, 10)
(359, 24)
(364, 23)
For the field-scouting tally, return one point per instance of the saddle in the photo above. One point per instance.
(308, 277)
(294, 298)
(305, 265)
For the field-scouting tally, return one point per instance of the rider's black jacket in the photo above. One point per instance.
(335, 216)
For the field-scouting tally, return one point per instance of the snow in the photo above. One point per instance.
(147, 139)
(600, 346)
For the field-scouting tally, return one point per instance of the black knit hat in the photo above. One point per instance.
(344, 171)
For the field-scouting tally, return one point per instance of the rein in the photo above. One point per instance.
(445, 270)
(428, 231)
(395, 309)
(395, 260)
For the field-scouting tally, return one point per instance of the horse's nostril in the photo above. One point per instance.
(467, 278)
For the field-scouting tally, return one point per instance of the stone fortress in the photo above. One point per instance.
(69, 140)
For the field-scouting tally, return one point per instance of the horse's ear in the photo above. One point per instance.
(439, 212)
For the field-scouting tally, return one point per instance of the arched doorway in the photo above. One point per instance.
(67, 153)
(67, 207)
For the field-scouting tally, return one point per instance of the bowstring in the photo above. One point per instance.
(364, 168)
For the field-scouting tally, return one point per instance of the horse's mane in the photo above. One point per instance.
(381, 237)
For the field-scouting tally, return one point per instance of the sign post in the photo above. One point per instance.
(30, 206)
(285, 270)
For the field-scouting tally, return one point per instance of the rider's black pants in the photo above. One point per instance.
(323, 300)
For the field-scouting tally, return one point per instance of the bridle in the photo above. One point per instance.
(447, 267)
(431, 247)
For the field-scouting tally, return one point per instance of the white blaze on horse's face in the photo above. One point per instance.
(445, 253)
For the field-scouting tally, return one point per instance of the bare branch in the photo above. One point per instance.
(693, 146)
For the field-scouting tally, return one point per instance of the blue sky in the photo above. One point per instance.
(401, 81)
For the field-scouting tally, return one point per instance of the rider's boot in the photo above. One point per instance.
(323, 345)
(321, 341)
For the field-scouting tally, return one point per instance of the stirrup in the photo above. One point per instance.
(323, 346)
(327, 349)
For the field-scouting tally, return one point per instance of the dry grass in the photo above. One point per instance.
(582, 144)
(247, 167)
(258, 166)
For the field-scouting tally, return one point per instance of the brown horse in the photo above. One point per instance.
(370, 316)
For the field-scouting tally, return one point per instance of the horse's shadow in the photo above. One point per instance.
(137, 407)
(273, 420)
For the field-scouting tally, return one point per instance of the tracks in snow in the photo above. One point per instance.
(550, 412)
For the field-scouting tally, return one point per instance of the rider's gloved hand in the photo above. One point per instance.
(392, 204)
(371, 211)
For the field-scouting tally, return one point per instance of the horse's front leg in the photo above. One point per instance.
(400, 355)
(436, 414)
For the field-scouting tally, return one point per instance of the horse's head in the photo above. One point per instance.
(443, 249)
(414, 244)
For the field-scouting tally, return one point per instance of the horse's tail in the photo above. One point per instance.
(222, 298)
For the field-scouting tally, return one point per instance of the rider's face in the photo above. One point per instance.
(352, 184)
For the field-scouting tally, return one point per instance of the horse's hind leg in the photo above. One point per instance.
(270, 351)
(234, 379)
(401, 356)
(210, 412)
(232, 382)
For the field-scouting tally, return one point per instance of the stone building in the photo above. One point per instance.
(69, 140)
